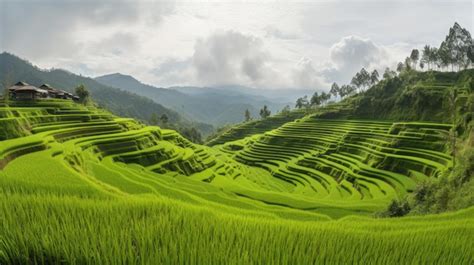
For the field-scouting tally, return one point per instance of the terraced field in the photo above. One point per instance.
(304, 185)
(263, 125)
(355, 165)
(330, 167)
(96, 154)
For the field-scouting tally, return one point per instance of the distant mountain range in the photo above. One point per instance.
(201, 107)
(214, 105)
(119, 102)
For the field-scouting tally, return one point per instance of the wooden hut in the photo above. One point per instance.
(23, 90)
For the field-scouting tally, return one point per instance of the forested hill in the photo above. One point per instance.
(216, 106)
(414, 96)
(410, 96)
(119, 102)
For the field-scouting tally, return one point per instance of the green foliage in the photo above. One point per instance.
(247, 115)
(286, 110)
(396, 209)
(317, 99)
(83, 93)
(192, 134)
(302, 102)
(453, 191)
(164, 119)
(154, 119)
(265, 112)
(414, 57)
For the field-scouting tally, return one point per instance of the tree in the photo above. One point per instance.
(452, 97)
(286, 110)
(365, 76)
(154, 119)
(191, 134)
(83, 93)
(247, 115)
(346, 90)
(426, 56)
(7, 82)
(334, 89)
(422, 65)
(315, 99)
(414, 56)
(407, 63)
(445, 56)
(470, 54)
(387, 74)
(400, 67)
(325, 97)
(302, 102)
(434, 56)
(361, 79)
(164, 119)
(356, 81)
(397, 209)
(265, 112)
(374, 77)
(455, 47)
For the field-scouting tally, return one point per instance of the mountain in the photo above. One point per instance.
(120, 102)
(274, 95)
(214, 105)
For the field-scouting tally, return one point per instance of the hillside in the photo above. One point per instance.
(412, 96)
(82, 166)
(119, 102)
(216, 106)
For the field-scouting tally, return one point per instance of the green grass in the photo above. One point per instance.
(78, 185)
(141, 231)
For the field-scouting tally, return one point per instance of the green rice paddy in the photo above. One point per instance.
(79, 185)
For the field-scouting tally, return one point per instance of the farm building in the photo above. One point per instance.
(56, 93)
(23, 90)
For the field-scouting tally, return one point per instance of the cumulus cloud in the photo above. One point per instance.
(169, 43)
(228, 58)
(305, 76)
(235, 58)
(41, 29)
(352, 53)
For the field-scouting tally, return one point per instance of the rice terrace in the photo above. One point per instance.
(110, 170)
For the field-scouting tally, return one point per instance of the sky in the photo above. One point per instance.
(264, 44)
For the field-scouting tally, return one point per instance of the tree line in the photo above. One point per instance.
(457, 50)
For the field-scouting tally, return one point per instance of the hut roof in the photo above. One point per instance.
(30, 89)
(46, 86)
(22, 83)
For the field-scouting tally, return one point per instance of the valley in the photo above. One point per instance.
(304, 178)
(236, 132)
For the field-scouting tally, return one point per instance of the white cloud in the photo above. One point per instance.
(228, 58)
(351, 53)
(305, 76)
(234, 58)
(267, 44)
